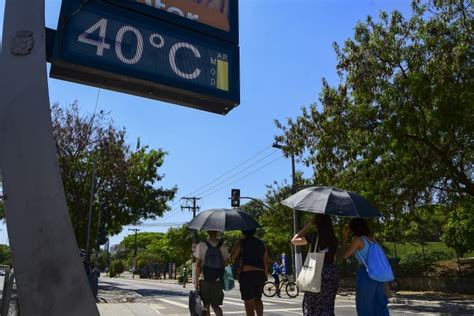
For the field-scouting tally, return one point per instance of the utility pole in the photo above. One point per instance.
(186, 201)
(89, 215)
(136, 230)
(296, 215)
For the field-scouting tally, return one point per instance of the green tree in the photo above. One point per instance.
(254, 208)
(459, 231)
(5, 255)
(398, 127)
(145, 240)
(126, 187)
(176, 245)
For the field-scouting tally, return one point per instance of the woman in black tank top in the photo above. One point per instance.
(253, 275)
(324, 239)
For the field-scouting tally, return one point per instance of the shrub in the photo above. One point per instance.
(116, 268)
(414, 264)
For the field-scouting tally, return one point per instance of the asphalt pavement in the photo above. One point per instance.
(121, 297)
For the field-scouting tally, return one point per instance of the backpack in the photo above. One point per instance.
(377, 264)
(213, 266)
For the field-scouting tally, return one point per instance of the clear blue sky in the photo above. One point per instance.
(286, 48)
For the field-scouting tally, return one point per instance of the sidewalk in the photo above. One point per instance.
(127, 309)
(435, 299)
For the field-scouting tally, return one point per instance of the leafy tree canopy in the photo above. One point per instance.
(398, 127)
(127, 180)
(459, 231)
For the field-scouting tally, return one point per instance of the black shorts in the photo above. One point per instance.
(212, 292)
(251, 284)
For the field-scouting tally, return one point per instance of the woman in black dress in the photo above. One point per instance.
(322, 303)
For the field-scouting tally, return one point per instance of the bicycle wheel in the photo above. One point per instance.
(269, 289)
(292, 289)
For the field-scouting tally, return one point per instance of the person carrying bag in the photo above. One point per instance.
(318, 278)
(309, 279)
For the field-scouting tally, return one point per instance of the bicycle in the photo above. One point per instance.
(291, 289)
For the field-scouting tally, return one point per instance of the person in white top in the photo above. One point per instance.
(210, 266)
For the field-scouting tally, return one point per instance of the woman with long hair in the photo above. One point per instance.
(371, 299)
(324, 239)
(253, 271)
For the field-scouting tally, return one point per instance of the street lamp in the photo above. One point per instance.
(296, 214)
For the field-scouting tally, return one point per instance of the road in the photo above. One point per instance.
(172, 299)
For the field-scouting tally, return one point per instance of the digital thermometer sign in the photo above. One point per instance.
(104, 45)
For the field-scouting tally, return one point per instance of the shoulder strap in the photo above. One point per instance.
(362, 259)
(316, 244)
(368, 240)
(219, 244)
(208, 244)
(360, 256)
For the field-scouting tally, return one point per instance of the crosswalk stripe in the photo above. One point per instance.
(295, 301)
(239, 300)
(156, 308)
(173, 303)
(232, 303)
(268, 311)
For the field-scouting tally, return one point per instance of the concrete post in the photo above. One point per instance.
(50, 277)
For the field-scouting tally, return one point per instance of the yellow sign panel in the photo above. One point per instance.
(222, 75)
(211, 12)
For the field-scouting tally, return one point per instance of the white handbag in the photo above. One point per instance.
(309, 279)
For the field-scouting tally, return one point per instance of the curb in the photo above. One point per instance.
(435, 303)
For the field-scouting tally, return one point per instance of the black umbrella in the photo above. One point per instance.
(223, 220)
(331, 201)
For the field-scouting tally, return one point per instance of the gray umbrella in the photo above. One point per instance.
(223, 219)
(331, 201)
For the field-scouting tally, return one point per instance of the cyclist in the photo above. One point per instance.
(276, 271)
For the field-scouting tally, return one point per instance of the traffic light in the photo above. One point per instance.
(235, 197)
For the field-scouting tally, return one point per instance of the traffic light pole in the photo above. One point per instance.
(298, 261)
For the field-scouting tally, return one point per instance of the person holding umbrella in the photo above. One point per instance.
(212, 258)
(323, 240)
(214, 221)
(371, 299)
(253, 272)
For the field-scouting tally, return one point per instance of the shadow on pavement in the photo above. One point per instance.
(439, 310)
(147, 293)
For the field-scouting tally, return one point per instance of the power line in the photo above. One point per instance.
(174, 211)
(245, 176)
(238, 173)
(167, 224)
(227, 172)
